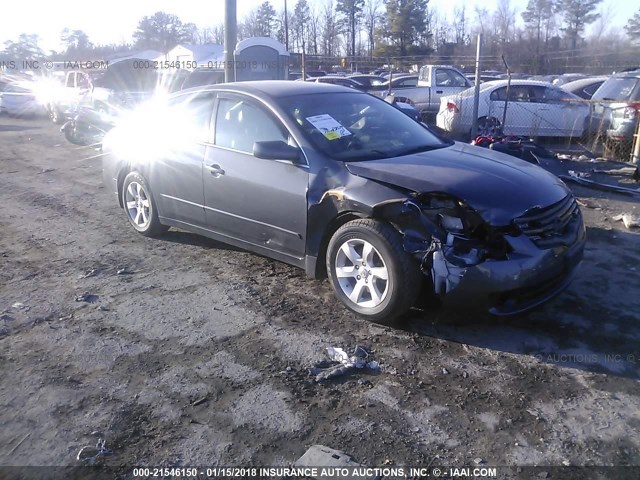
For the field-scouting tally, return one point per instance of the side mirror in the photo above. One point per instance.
(276, 150)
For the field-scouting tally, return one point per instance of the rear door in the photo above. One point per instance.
(183, 136)
(520, 118)
(261, 202)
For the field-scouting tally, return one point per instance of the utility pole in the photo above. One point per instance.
(476, 90)
(230, 39)
(286, 26)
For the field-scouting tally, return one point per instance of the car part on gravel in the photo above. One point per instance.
(579, 178)
(345, 363)
(321, 456)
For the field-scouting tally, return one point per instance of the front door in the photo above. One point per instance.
(262, 202)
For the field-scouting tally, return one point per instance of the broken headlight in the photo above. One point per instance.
(462, 231)
(451, 224)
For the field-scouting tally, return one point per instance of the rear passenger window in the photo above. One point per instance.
(191, 115)
(240, 124)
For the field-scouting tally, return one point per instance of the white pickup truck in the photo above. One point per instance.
(434, 82)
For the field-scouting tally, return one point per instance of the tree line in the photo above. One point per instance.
(550, 35)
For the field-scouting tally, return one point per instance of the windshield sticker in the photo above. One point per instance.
(328, 126)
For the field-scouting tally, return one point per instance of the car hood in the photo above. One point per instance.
(498, 186)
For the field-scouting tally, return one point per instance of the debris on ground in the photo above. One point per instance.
(124, 271)
(91, 273)
(199, 401)
(624, 171)
(90, 455)
(630, 221)
(342, 363)
(522, 147)
(15, 447)
(582, 179)
(588, 204)
(86, 297)
(322, 456)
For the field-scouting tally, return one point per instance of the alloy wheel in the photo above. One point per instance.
(362, 273)
(138, 205)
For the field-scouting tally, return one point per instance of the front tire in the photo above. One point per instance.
(370, 271)
(140, 206)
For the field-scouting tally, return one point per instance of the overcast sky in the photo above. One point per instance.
(114, 21)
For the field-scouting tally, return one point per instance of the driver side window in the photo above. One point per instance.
(240, 124)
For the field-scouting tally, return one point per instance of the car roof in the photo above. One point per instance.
(363, 75)
(583, 82)
(628, 73)
(274, 88)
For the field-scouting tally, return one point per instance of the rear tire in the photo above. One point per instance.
(489, 127)
(55, 114)
(140, 206)
(370, 271)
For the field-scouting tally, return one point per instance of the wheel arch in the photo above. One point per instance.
(122, 174)
(331, 228)
(124, 169)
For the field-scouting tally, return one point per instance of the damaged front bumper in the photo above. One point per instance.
(529, 278)
(504, 271)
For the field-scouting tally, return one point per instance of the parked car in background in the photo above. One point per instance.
(424, 90)
(334, 180)
(585, 87)
(567, 77)
(20, 99)
(315, 73)
(337, 80)
(368, 81)
(535, 109)
(387, 73)
(616, 111)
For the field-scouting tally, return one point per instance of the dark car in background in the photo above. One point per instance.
(616, 111)
(341, 183)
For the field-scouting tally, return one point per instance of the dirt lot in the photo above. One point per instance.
(183, 351)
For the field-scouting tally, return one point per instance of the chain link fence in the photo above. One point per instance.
(532, 106)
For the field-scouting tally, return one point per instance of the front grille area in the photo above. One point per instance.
(550, 226)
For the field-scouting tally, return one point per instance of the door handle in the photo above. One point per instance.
(215, 170)
(439, 91)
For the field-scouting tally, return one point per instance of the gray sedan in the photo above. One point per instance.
(343, 184)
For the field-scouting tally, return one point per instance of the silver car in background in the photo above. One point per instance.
(534, 109)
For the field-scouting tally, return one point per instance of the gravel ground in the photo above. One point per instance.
(183, 351)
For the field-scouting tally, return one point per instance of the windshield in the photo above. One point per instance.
(619, 88)
(357, 126)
